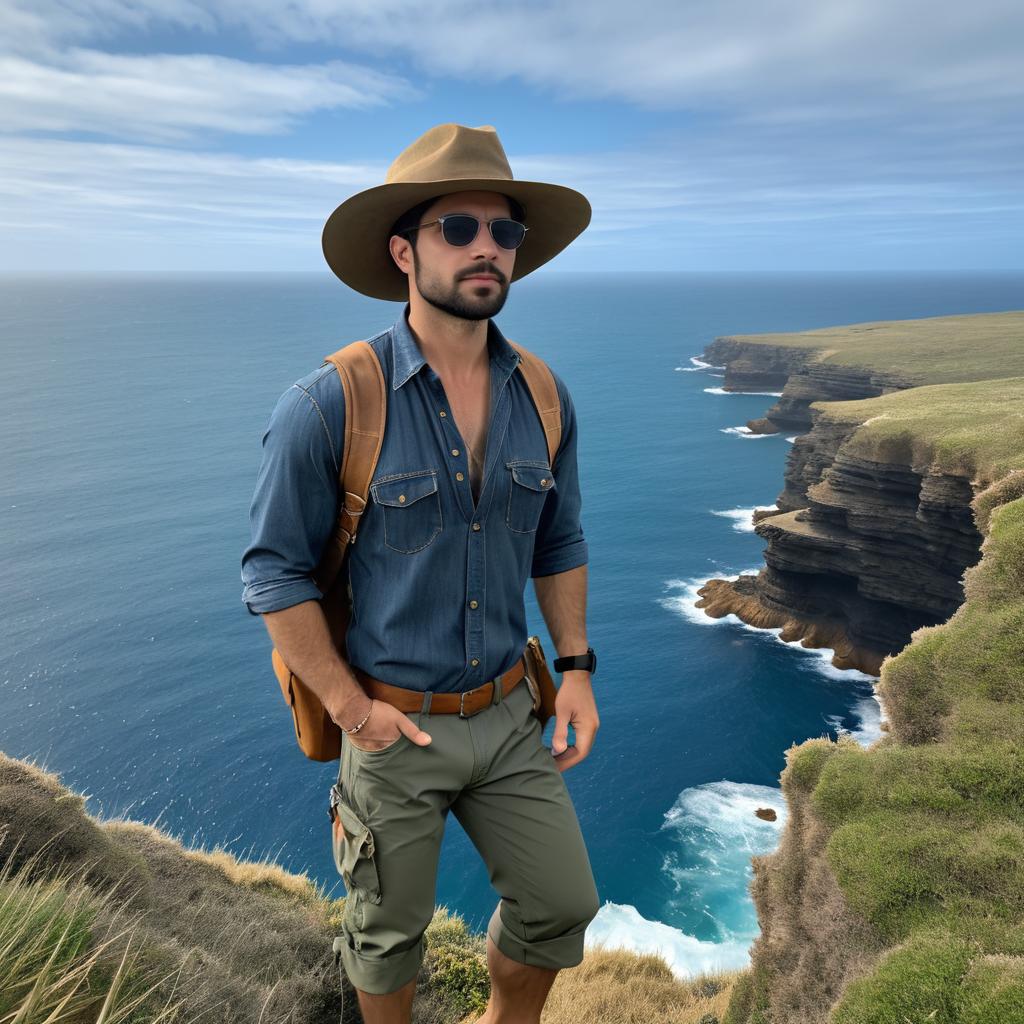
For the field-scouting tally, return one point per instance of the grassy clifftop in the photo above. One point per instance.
(90, 906)
(929, 350)
(973, 429)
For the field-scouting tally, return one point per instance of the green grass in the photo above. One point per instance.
(975, 430)
(929, 350)
(925, 829)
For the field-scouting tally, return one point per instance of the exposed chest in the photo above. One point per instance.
(470, 405)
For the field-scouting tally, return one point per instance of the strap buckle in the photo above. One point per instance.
(462, 713)
(465, 693)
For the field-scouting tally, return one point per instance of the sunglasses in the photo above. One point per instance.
(461, 229)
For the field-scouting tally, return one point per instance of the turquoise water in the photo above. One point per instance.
(132, 409)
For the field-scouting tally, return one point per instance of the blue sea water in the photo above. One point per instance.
(132, 408)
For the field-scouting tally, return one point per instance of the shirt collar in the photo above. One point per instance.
(408, 359)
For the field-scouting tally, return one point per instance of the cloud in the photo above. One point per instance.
(67, 203)
(799, 127)
(812, 56)
(166, 97)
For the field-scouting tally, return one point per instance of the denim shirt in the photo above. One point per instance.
(437, 582)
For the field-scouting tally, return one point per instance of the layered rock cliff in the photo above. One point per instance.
(860, 554)
(870, 538)
(801, 376)
(896, 893)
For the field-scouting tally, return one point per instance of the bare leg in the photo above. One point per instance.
(392, 1008)
(518, 991)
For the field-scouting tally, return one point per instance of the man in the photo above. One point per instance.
(464, 506)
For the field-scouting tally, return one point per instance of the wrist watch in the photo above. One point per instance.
(586, 661)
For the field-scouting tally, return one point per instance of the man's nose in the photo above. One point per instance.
(484, 246)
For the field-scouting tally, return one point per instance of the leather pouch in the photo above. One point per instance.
(538, 679)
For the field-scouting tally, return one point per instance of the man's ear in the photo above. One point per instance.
(401, 252)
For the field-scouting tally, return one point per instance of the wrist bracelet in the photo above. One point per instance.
(360, 725)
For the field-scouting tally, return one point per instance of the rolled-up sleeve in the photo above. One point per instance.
(294, 506)
(560, 544)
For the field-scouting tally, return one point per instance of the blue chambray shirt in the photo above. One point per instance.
(437, 583)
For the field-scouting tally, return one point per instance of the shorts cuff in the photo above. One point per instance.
(555, 954)
(381, 975)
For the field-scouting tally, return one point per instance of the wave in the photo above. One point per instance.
(714, 833)
(722, 391)
(743, 518)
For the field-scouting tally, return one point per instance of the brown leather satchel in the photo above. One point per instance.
(362, 379)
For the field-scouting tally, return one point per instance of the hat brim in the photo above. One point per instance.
(355, 237)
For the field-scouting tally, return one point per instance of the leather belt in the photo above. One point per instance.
(465, 704)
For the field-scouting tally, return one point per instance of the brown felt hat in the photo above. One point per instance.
(446, 158)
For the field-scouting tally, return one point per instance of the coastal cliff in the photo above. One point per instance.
(897, 890)
(896, 893)
(873, 529)
(865, 360)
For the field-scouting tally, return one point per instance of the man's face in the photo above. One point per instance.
(444, 275)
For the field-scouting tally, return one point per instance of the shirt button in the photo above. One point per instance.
(472, 604)
(459, 476)
(475, 661)
(401, 498)
(455, 451)
(476, 526)
(442, 412)
(544, 482)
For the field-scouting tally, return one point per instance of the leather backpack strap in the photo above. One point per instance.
(544, 392)
(362, 380)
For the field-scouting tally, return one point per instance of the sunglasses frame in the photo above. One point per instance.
(440, 220)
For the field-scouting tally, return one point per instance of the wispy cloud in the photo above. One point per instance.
(656, 53)
(168, 96)
(804, 126)
(211, 209)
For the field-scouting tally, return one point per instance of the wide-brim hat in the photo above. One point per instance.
(447, 158)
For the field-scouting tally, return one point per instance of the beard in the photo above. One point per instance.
(457, 300)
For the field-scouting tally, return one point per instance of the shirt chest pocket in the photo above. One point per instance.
(411, 507)
(530, 481)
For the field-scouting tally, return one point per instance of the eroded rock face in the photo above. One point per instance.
(800, 375)
(750, 367)
(860, 553)
(827, 382)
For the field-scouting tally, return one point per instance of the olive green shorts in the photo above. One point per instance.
(494, 771)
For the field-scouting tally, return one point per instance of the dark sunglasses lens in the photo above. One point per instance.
(460, 229)
(508, 234)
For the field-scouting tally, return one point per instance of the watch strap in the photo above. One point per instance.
(586, 661)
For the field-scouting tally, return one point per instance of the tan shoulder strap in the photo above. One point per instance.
(544, 392)
(362, 379)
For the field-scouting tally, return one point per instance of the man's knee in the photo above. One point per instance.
(554, 937)
(570, 911)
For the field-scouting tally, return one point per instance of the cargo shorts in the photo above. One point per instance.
(493, 770)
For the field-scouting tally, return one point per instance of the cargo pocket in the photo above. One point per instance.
(353, 848)
(412, 509)
(528, 488)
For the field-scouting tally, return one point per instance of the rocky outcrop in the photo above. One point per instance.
(802, 376)
(755, 367)
(860, 552)
(859, 555)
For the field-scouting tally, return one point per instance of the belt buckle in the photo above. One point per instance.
(462, 697)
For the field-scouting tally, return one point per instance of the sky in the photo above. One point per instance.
(745, 135)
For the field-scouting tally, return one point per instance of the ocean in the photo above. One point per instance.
(132, 407)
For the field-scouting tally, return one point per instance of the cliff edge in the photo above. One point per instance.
(873, 529)
(897, 890)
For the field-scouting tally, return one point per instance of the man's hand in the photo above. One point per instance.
(384, 726)
(574, 705)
